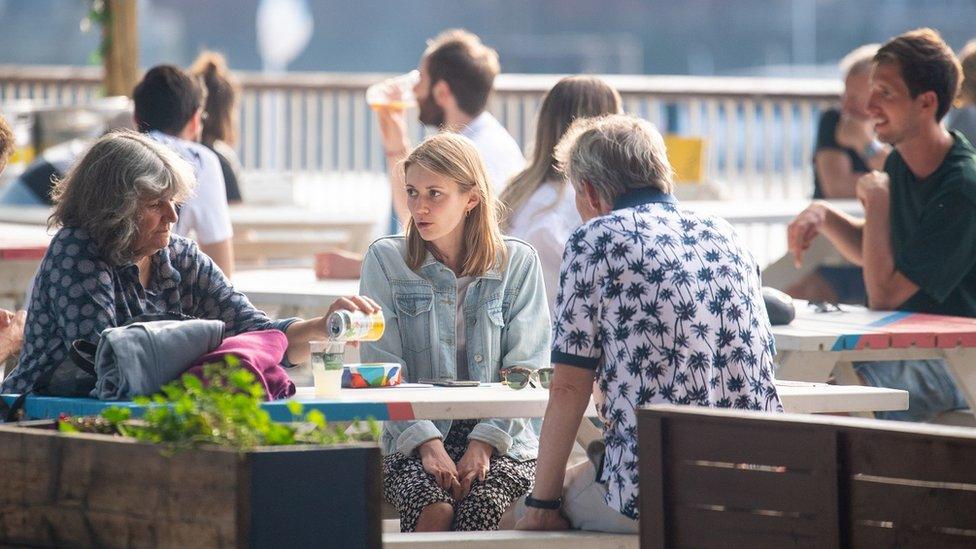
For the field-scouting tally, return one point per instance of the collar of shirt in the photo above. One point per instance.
(164, 276)
(431, 266)
(641, 196)
(477, 125)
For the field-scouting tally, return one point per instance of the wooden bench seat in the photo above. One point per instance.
(721, 478)
(510, 539)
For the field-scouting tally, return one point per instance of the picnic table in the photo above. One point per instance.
(419, 401)
(818, 343)
(762, 226)
(768, 212)
(292, 290)
(21, 249)
(263, 233)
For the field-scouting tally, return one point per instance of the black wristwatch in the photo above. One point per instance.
(551, 504)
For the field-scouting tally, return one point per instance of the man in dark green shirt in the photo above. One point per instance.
(917, 241)
(933, 231)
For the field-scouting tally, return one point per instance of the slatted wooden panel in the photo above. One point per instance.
(100, 491)
(82, 492)
(846, 482)
(910, 489)
(738, 483)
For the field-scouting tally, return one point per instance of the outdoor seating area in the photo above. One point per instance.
(527, 287)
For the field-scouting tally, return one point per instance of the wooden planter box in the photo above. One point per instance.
(103, 491)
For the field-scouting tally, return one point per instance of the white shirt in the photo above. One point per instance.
(501, 153)
(460, 334)
(546, 220)
(204, 213)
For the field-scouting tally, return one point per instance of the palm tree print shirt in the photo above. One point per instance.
(666, 306)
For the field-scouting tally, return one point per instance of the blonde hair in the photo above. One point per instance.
(859, 60)
(571, 98)
(615, 154)
(455, 157)
(967, 90)
(104, 191)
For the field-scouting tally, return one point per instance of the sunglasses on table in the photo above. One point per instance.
(825, 307)
(519, 377)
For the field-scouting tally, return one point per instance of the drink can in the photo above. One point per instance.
(356, 326)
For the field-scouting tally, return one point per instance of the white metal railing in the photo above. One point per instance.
(759, 132)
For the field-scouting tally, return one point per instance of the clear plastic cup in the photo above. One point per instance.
(394, 93)
(327, 361)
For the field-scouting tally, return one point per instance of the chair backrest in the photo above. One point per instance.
(745, 479)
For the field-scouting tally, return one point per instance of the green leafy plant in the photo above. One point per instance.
(98, 17)
(224, 409)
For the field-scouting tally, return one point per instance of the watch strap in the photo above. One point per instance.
(543, 503)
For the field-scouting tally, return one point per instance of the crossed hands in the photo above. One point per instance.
(456, 479)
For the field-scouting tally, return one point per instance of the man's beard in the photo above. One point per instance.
(431, 114)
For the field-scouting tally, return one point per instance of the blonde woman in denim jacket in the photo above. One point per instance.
(462, 302)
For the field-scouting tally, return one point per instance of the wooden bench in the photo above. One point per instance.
(746, 479)
(510, 539)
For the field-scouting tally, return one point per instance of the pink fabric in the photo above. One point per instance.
(261, 353)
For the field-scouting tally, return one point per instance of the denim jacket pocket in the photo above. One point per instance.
(414, 312)
(493, 332)
(414, 317)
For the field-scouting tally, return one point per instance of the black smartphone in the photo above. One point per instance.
(451, 382)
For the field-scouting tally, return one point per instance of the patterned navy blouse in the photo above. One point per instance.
(76, 295)
(666, 306)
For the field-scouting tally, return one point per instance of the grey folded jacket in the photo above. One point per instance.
(139, 358)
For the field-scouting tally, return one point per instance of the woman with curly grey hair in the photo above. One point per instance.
(115, 258)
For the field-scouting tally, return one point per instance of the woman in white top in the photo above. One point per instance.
(542, 206)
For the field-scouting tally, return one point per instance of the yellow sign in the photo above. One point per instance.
(687, 157)
(23, 155)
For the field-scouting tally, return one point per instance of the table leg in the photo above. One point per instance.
(814, 366)
(960, 362)
(588, 432)
(844, 374)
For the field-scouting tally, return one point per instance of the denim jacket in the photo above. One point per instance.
(506, 324)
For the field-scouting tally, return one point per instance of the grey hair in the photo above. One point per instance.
(104, 193)
(859, 60)
(614, 153)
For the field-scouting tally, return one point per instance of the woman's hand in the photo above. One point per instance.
(303, 331)
(354, 303)
(440, 465)
(473, 465)
(351, 303)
